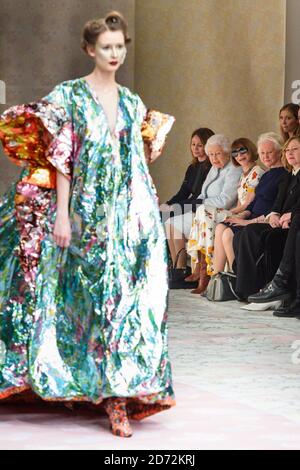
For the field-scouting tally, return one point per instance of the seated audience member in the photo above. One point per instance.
(289, 121)
(253, 240)
(201, 239)
(269, 150)
(280, 288)
(289, 268)
(219, 190)
(195, 175)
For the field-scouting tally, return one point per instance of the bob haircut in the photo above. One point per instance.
(244, 142)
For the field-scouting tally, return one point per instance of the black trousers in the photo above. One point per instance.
(297, 266)
(290, 263)
(258, 251)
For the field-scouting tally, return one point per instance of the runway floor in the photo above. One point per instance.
(237, 384)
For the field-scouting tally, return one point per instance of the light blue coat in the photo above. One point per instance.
(220, 187)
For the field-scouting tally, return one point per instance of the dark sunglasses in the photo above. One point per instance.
(241, 151)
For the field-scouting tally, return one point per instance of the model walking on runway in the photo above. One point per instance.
(83, 279)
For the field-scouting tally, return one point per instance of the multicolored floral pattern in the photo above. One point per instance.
(249, 182)
(88, 322)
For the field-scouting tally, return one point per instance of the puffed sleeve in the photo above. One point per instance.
(60, 150)
(39, 135)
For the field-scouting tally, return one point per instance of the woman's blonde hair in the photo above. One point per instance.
(113, 21)
(284, 160)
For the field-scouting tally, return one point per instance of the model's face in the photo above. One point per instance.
(288, 122)
(292, 154)
(218, 158)
(197, 149)
(269, 155)
(109, 51)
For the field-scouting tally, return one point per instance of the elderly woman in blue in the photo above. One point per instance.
(219, 190)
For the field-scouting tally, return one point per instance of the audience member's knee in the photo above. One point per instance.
(227, 235)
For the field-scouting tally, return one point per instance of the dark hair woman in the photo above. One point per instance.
(194, 176)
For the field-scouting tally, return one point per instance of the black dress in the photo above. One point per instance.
(192, 186)
(258, 248)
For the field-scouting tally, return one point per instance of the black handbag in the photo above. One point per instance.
(221, 287)
(177, 275)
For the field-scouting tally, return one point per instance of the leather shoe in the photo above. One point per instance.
(269, 293)
(292, 311)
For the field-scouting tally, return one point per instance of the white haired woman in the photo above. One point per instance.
(257, 240)
(219, 190)
(244, 156)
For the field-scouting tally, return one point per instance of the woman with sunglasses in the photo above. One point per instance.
(269, 150)
(244, 155)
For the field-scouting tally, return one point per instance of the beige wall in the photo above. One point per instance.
(211, 63)
(40, 47)
(292, 77)
(216, 63)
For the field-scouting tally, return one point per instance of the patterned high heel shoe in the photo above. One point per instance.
(117, 415)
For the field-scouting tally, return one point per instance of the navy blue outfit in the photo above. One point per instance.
(265, 195)
(266, 192)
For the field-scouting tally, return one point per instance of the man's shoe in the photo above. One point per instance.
(269, 293)
(284, 305)
(293, 311)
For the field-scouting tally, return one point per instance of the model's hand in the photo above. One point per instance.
(62, 231)
(154, 155)
(151, 155)
(274, 221)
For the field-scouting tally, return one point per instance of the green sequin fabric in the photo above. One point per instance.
(87, 322)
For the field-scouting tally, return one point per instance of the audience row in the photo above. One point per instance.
(238, 210)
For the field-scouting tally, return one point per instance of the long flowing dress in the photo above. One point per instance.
(87, 322)
(202, 235)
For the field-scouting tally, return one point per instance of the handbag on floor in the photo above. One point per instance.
(221, 287)
(177, 276)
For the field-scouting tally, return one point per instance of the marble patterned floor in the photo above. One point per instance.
(237, 383)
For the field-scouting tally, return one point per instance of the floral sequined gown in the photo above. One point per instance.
(87, 322)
